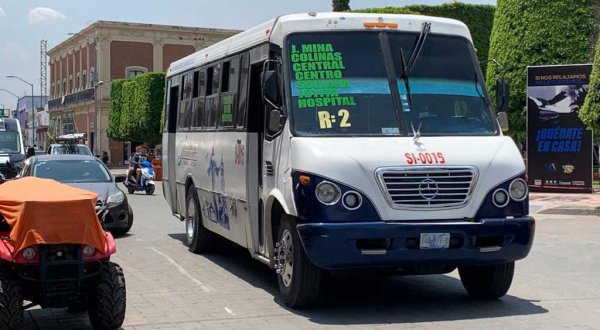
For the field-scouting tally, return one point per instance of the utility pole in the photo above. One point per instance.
(43, 73)
(32, 102)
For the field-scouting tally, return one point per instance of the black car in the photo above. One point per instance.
(89, 173)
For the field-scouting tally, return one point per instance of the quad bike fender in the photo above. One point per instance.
(111, 246)
(6, 251)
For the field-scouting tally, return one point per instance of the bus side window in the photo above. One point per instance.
(198, 103)
(171, 118)
(229, 89)
(185, 110)
(211, 109)
(243, 91)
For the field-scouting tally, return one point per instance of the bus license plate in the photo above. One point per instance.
(435, 240)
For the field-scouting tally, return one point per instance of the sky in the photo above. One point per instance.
(23, 23)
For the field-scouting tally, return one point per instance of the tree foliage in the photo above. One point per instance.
(136, 108)
(590, 113)
(479, 19)
(536, 32)
(340, 5)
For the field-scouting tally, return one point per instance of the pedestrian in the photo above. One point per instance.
(105, 157)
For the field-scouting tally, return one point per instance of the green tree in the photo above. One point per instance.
(136, 108)
(536, 32)
(114, 118)
(590, 113)
(479, 19)
(340, 5)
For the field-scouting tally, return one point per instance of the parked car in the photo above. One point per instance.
(69, 149)
(86, 172)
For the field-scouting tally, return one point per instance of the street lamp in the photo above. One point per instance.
(13, 94)
(32, 103)
(96, 138)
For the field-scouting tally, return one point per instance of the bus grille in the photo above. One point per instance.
(427, 187)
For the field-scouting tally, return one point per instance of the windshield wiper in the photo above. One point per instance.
(408, 66)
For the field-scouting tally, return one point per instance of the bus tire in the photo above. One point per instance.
(199, 239)
(487, 282)
(299, 280)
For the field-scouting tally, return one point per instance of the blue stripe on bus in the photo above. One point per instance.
(417, 87)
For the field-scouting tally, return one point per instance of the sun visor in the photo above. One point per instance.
(43, 211)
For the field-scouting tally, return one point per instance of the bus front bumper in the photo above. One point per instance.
(397, 244)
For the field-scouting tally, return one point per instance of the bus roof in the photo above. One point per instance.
(275, 30)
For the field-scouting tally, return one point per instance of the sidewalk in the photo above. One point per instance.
(567, 204)
(118, 170)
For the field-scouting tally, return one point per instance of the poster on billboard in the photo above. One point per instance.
(559, 147)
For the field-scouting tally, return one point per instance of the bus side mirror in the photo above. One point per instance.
(271, 88)
(274, 121)
(503, 121)
(502, 94)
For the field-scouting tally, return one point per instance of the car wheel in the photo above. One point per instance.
(299, 279)
(11, 302)
(487, 282)
(199, 239)
(107, 305)
(125, 230)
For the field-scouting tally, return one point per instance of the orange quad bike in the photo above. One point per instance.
(54, 253)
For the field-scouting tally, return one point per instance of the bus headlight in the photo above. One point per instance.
(352, 200)
(500, 198)
(518, 190)
(328, 193)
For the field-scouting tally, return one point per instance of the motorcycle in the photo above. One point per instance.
(146, 183)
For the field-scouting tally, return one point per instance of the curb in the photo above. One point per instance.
(567, 210)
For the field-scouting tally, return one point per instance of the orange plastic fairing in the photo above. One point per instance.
(42, 211)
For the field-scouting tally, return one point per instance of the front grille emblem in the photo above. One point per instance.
(428, 189)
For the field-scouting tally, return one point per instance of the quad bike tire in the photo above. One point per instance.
(107, 304)
(11, 302)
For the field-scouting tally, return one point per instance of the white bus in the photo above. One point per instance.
(337, 141)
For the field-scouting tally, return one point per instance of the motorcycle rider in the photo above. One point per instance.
(140, 155)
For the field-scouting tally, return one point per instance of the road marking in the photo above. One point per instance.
(182, 270)
(229, 311)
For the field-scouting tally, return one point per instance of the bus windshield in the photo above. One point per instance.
(9, 142)
(341, 86)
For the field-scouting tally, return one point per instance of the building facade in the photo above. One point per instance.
(25, 116)
(82, 67)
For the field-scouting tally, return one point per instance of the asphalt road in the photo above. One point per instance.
(556, 287)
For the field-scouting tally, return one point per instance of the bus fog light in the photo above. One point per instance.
(518, 190)
(29, 253)
(89, 251)
(500, 198)
(328, 193)
(352, 200)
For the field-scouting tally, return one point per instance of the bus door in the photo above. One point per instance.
(169, 157)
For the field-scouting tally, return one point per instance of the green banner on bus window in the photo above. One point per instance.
(319, 72)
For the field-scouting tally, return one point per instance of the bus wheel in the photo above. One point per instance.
(487, 282)
(199, 239)
(299, 280)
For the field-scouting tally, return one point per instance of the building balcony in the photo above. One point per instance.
(85, 95)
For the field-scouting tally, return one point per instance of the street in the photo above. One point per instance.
(170, 288)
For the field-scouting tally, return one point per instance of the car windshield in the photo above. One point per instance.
(341, 86)
(9, 142)
(70, 149)
(72, 171)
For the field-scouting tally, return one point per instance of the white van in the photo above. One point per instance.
(333, 141)
(12, 152)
